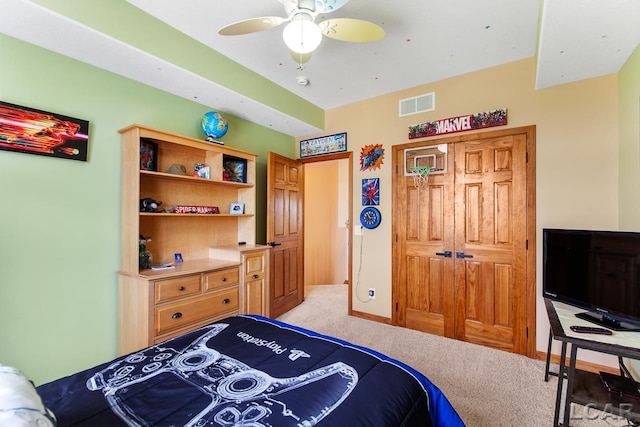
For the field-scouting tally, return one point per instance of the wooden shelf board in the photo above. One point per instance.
(191, 215)
(191, 180)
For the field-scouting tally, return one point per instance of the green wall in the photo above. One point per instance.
(59, 219)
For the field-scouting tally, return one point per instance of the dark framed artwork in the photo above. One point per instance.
(324, 145)
(148, 155)
(234, 169)
(370, 191)
(27, 130)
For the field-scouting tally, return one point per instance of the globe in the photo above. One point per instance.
(214, 125)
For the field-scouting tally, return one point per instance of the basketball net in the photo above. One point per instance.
(420, 175)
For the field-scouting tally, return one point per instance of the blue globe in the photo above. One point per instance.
(214, 125)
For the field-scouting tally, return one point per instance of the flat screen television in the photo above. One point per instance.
(598, 271)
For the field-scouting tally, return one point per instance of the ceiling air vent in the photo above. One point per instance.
(417, 104)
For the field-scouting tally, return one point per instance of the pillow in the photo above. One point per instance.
(20, 404)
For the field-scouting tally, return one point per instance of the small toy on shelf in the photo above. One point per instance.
(149, 205)
(202, 171)
(177, 169)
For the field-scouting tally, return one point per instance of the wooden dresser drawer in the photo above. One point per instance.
(177, 315)
(221, 279)
(171, 289)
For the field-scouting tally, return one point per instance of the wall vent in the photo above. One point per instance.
(417, 104)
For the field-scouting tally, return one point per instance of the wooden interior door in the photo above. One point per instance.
(461, 242)
(425, 235)
(490, 243)
(285, 196)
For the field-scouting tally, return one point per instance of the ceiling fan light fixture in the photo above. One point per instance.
(302, 35)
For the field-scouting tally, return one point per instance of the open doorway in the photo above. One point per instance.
(286, 211)
(326, 217)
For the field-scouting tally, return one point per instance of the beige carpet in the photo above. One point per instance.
(487, 387)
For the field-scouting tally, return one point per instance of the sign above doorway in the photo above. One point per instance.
(459, 124)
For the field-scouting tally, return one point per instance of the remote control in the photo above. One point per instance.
(590, 330)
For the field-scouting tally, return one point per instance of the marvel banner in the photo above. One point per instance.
(459, 124)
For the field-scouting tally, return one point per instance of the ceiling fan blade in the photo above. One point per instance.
(252, 25)
(351, 30)
(300, 58)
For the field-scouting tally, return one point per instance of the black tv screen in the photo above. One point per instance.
(598, 271)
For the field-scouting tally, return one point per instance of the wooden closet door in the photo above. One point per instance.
(425, 232)
(490, 238)
(477, 212)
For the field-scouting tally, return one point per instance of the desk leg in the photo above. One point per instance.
(563, 355)
(623, 368)
(546, 368)
(568, 397)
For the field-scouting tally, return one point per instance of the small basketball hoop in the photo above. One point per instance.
(420, 175)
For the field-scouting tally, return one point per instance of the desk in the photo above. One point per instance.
(585, 388)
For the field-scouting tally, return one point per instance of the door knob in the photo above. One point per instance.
(446, 254)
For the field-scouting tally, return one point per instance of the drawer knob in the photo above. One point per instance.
(176, 315)
(181, 288)
(224, 279)
(226, 301)
(255, 276)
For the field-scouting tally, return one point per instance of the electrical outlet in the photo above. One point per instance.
(372, 293)
(357, 230)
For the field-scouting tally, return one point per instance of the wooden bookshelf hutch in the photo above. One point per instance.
(223, 271)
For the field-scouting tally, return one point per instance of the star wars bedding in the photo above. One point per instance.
(249, 371)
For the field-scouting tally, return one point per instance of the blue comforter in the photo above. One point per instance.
(250, 371)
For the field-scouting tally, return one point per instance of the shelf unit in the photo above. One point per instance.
(145, 316)
(189, 234)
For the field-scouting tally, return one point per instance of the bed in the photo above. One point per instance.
(249, 370)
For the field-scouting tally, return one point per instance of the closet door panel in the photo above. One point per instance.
(425, 229)
(490, 230)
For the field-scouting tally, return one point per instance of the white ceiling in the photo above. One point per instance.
(425, 41)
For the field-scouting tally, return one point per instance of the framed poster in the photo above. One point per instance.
(27, 130)
(324, 145)
(234, 169)
(370, 191)
(148, 156)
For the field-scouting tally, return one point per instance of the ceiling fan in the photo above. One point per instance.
(302, 35)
